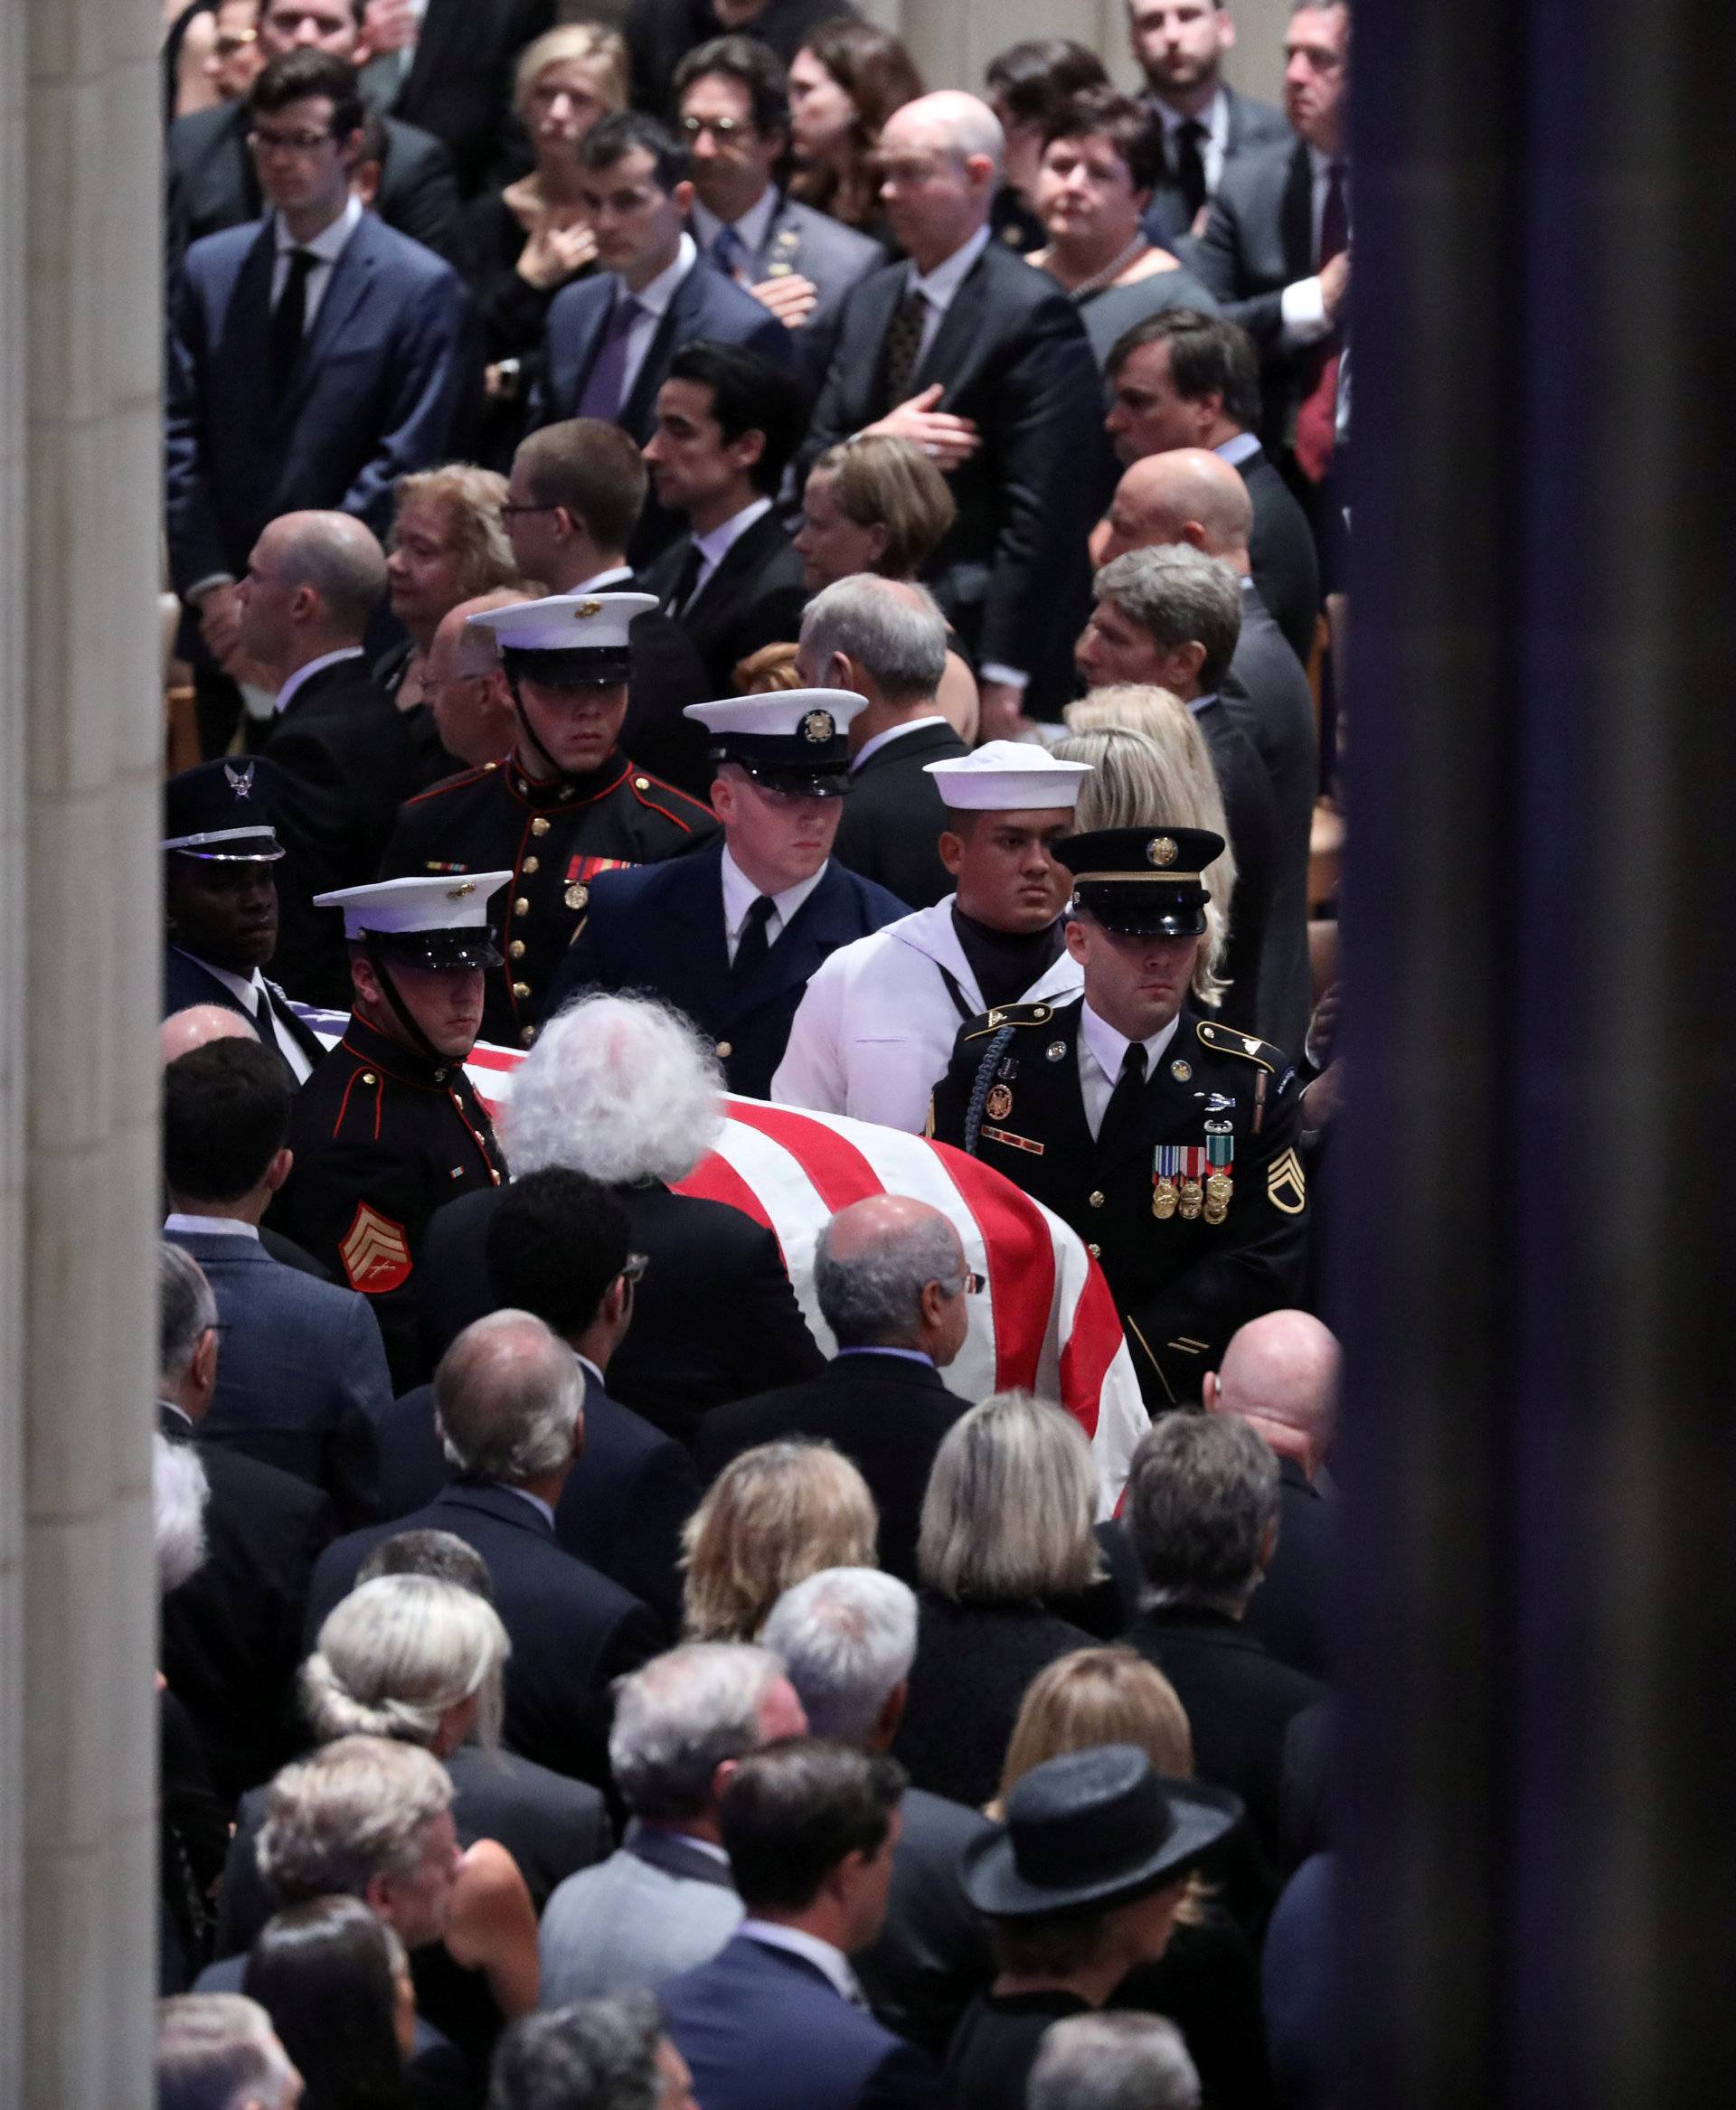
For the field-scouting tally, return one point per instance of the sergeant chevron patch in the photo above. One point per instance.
(375, 1252)
(1287, 1186)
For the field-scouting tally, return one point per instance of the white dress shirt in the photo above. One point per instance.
(602, 581)
(739, 894)
(288, 694)
(1238, 449)
(535, 1500)
(250, 989)
(1303, 305)
(189, 1226)
(327, 247)
(1100, 1052)
(752, 231)
(654, 305)
(939, 287)
(798, 1941)
(1213, 147)
(716, 544)
(892, 732)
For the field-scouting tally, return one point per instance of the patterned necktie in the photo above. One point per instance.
(1316, 415)
(1189, 166)
(904, 345)
(728, 253)
(605, 384)
(1120, 1117)
(289, 322)
(752, 945)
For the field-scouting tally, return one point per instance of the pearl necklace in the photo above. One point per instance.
(1112, 270)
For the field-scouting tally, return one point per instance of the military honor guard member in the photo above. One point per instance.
(1167, 1141)
(389, 1126)
(731, 935)
(564, 805)
(220, 893)
(876, 1027)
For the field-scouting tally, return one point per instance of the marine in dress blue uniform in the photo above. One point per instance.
(1180, 1169)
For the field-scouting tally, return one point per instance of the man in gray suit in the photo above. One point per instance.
(303, 1375)
(734, 116)
(664, 1900)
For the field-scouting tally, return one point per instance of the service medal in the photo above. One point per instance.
(1166, 1169)
(1221, 1158)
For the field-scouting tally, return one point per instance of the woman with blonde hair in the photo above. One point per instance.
(1207, 1981)
(1007, 1528)
(448, 544)
(519, 246)
(774, 1516)
(1150, 765)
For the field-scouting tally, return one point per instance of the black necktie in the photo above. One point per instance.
(752, 945)
(686, 580)
(1120, 1117)
(1190, 166)
(288, 321)
(266, 1026)
(904, 345)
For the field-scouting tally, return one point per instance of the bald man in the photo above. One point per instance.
(183, 1030)
(465, 685)
(349, 756)
(892, 1283)
(1280, 1376)
(966, 352)
(1191, 495)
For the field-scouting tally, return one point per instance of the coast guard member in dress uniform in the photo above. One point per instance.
(565, 805)
(876, 1027)
(732, 934)
(1167, 1141)
(389, 1126)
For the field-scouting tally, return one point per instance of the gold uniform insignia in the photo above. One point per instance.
(586, 611)
(1287, 1185)
(818, 726)
(1161, 850)
(999, 1104)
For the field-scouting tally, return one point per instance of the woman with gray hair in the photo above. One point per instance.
(1007, 1524)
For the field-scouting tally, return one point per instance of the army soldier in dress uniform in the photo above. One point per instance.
(389, 1126)
(565, 805)
(1167, 1141)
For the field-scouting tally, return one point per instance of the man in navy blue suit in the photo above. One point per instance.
(777, 2020)
(611, 337)
(730, 933)
(314, 357)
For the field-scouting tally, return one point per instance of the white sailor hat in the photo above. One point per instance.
(792, 740)
(568, 640)
(1007, 777)
(442, 922)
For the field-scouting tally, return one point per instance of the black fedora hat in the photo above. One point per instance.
(1094, 1827)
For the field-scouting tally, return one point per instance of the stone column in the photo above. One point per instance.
(1531, 1194)
(80, 743)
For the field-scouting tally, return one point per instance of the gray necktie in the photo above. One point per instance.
(606, 384)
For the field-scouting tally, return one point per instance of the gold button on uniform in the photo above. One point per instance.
(520, 906)
(521, 990)
(1095, 1251)
(724, 1050)
(526, 1038)
(516, 949)
(539, 826)
(531, 864)
(368, 1078)
(641, 784)
(1095, 1199)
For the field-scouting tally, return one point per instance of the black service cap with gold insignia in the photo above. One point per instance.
(1148, 881)
(793, 741)
(439, 922)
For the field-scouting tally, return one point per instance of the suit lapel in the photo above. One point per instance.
(1298, 215)
(638, 411)
(878, 300)
(949, 356)
(740, 559)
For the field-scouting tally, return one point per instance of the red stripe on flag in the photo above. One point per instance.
(714, 1179)
(1020, 1269)
(838, 1170)
(1090, 1346)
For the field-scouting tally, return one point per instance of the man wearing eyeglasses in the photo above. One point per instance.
(734, 116)
(315, 357)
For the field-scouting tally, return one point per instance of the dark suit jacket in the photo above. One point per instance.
(764, 2029)
(349, 761)
(214, 185)
(1280, 548)
(301, 1374)
(660, 32)
(1251, 811)
(1239, 1701)
(185, 982)
(933, 1957)
(231, 1632)
(668, 675)
(894, 816)
(973, 1663)
(574, 1632)
(1012, 572)
(1258, 238)
(754, 598)
(885, 1413)
(1251, 125)
(621, 1509)
(1267, 696)
(550, 1826)
(714, 1318)
(460, 86)
(1290, 1610)
(835, 258)
(660, 928)
(373, 397)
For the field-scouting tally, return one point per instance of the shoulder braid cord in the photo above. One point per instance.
(998, 1047)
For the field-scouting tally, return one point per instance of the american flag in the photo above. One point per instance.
(1045, 1321)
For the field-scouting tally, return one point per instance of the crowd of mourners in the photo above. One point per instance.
(715, 584)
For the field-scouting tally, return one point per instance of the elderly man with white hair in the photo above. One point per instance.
(623, 1088)
(847, 1637)
(509, 1398)
(966, 352)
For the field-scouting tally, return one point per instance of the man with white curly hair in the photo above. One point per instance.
(624, 1090)
(508, 1396)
